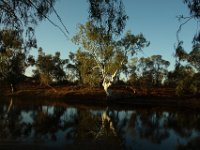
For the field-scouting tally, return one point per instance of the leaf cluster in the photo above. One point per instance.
(23, 15)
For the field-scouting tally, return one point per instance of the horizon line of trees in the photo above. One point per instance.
(78, 69)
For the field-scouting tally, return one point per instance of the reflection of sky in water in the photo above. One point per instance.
(137, 129)
(5, 108)
(97, 112)
(132, 140)
(48, 109)
(69, 114)
(26, 117)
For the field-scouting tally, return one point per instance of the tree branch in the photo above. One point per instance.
(59, 18)
(98, 63)
(54, 24)
(182, 24)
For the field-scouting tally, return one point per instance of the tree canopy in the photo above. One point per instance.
(22, 16)
(101, 38)
(12, 59)
(49, 68)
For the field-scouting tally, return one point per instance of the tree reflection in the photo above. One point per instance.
(156, 126)
(45, 123)
(107, 125)
(10, 123)
(43, 127)
(99, 129)
(152, 127)
(183, 123)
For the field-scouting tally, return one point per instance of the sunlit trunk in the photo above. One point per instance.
(107, 82)
(106, 85)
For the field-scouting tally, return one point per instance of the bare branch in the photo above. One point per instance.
(59, 18)
(54, 24)
(182, 24)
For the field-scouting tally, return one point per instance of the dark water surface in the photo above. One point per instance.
(30, 125)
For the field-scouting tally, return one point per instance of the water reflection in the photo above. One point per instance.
(61, 127)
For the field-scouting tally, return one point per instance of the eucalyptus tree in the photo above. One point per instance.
(100, 38)
(132, 70)
(181, 55)
(153, 68)
(12, 58)
(188, 78)
(184, 79)
(23, 16)
(192, 58)
(80, 67)
(194, 8)
(59, 73)
(49, 68)
(43, 69)
(73, 73)
(159, 68)
(144, 68)
(86, 63)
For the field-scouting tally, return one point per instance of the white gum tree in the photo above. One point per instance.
(101, 37)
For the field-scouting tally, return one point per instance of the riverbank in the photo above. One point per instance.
(122, 95)
(82, 92)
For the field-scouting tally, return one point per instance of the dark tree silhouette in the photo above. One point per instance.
(23, 15)
(194, 8)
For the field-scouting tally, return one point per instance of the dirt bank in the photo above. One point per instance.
(122, 95)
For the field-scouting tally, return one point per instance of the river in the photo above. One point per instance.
(56, 125)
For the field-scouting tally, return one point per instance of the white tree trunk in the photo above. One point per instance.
(106, 85)
(107, 78)
(107, 82)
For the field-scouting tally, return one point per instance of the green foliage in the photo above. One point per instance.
(188, 86)
(12, 57)
(50, 68)
(10, 39)
(185, 80)
(185, 77)
(84, 66)
(73, 73)
(194, 57)
(108, 15)
(106, 56)
(153, 69)
(22, 16)
(194, 7)
(132, 68)
(100, 37)
(180, 73)
(181, 54)
(133, 43)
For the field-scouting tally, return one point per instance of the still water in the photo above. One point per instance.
(30, 125)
